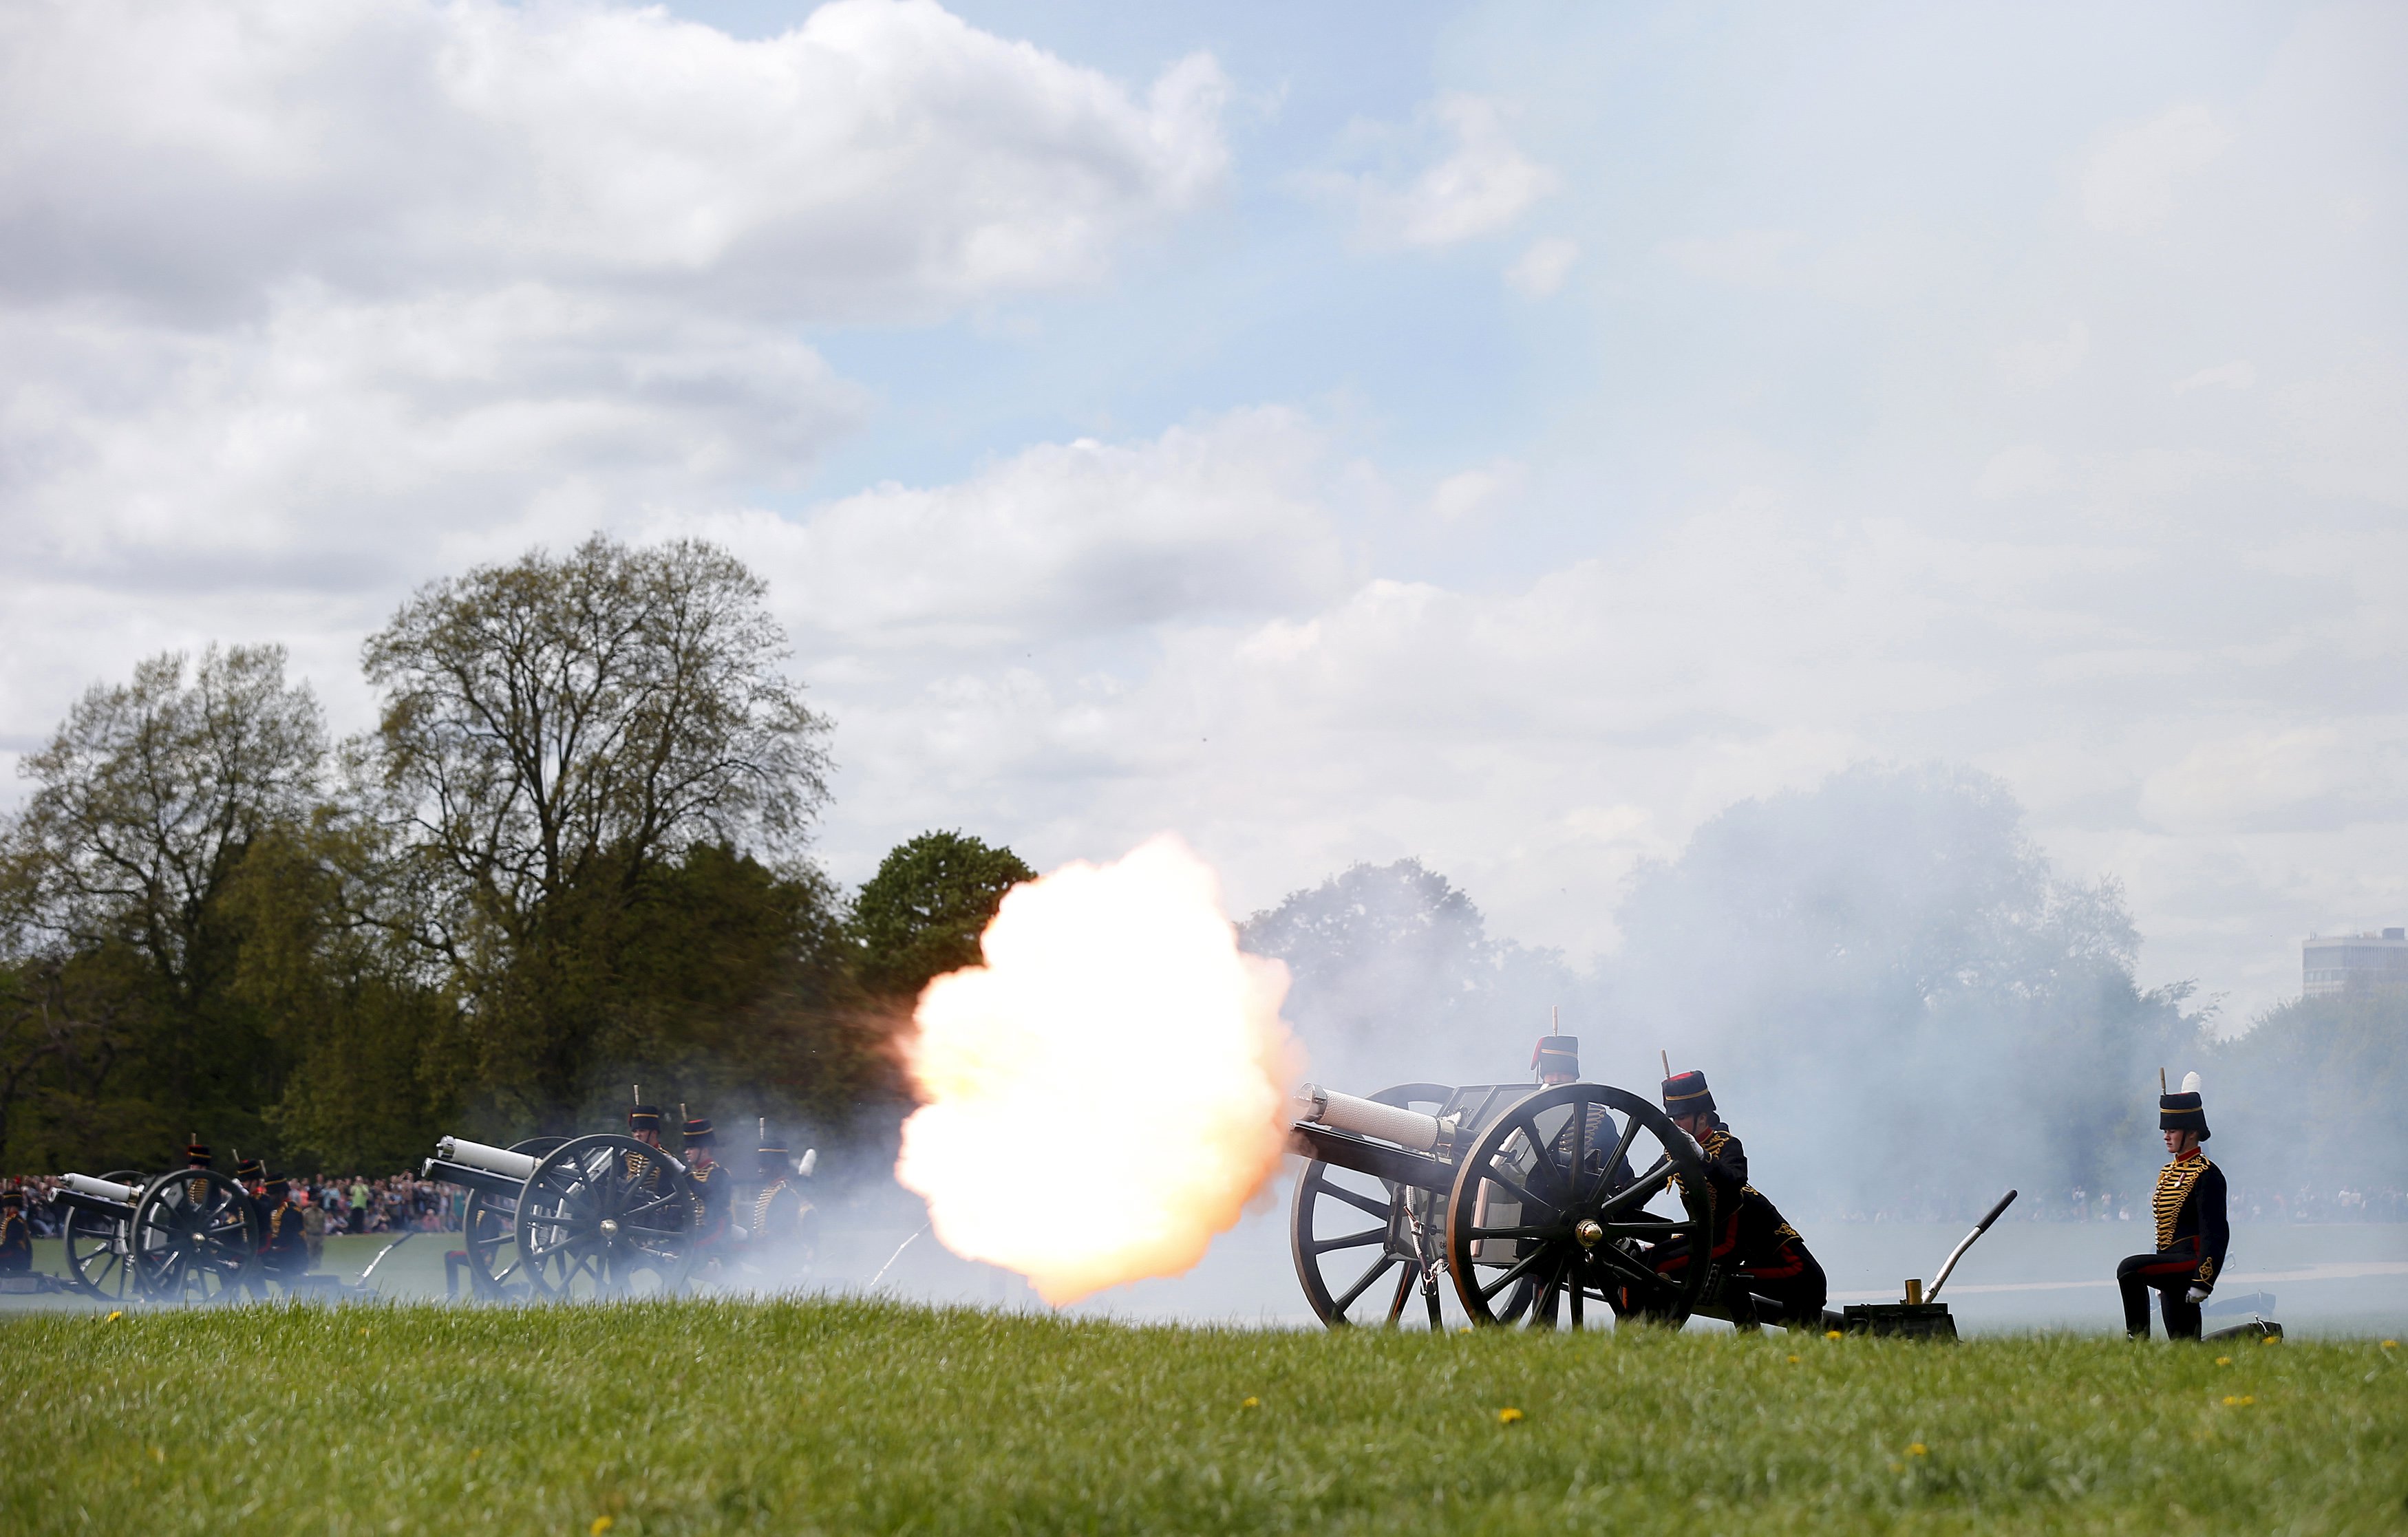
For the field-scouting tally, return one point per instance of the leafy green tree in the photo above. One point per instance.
(2313, 1090)
(117, 892)
(921, 915)
(555, 733)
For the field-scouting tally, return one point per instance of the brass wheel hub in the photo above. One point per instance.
(1589, 1232)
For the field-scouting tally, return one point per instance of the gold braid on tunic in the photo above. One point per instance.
(2174, 1182)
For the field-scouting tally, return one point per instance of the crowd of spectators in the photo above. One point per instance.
(353, 1203)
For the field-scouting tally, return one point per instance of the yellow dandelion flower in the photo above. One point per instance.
(2387, 1344)
(2240, 1402)
(1252, 1404)
(600, 1524)
(1831, 1335)
(2270, 1339)
(120, 1313)
(1918, 1449)
(2222, 1361)
(1509, 1416)
(1793, 1361)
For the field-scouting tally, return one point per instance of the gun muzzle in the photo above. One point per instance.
(101, 1190)
(494, 1160)
(1319, 1107)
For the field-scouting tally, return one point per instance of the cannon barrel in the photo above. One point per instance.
(1319, 1107)
(492, 1160)
(101, 1190)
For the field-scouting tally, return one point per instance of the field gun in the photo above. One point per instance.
(573, 1218)
(191, 1235)
(1523, 1198)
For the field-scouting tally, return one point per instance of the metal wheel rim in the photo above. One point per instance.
(489, 1230)
(194, 1239)
(1390, 1281)
(100, 1268)
(1568, 1276)
(568, 1252)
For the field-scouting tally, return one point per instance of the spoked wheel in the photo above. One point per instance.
(604, 1216)
(490, 1233)
(1538, 1199)
(1365, 1246)
(100, 1250)
(196, 1239)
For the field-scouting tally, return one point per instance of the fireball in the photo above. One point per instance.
(1109, 1090)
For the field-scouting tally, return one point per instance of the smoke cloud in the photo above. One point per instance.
(1110, 1089)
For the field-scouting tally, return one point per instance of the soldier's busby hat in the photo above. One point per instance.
(278, 1187)
(1556, 1054)
(643, 1117)
(772, 1153)
(250, 1170)
(1686, 1094)
(197, 1153)
(2184, 1111)
(699, 1132)
(12, 1198)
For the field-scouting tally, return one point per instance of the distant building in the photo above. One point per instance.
(2331, 967)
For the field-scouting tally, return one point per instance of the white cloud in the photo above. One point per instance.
(1064, 540)
(879, 156)
(1481, 188)
(2129, 182)
(2231, 375)
(2026, 470)
(2045, 361)
(1468, 494)
(1743, 259)
(1541, 270)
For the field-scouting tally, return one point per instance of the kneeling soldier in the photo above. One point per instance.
(1755, 1251)
(16, 1235)
(2192, 1232)
(284, 1251)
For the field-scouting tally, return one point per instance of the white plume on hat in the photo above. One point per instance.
(2190, 1083)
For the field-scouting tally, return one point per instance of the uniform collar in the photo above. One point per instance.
(2195, 1152)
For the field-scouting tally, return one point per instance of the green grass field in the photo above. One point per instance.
(841, 1416)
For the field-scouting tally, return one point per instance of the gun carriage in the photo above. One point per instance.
(188, 1236)
(1531, 1205)
(571, 1220)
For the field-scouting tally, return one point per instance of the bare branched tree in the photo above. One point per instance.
(556, 728)
(150, 795)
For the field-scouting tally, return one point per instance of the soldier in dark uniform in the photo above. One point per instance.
(1753, 1250)
(1556, 1062)
(249, 1173)
(284, 1247)
(16, 1235)
(644, 1126)
(2192, 1229)
(781, 1212)
(714, 1188)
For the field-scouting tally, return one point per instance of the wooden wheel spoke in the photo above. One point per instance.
(1360, 1201)
(1639, 1191)
(1352, 1240)
(1404, 1291)
(1520, 1268)
(1364, 1283)
(1496, 1174)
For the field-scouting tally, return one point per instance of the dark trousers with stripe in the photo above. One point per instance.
(1792, 1280)
(2169, 1276)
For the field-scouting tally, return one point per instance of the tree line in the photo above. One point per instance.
(569, 857)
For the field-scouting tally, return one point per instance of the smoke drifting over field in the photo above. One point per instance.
(1901, 1006)
(1109, 1090)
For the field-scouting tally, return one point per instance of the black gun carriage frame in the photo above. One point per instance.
(1506, 1192)
(1509, 1192)
(191, 1235)
(571, 1220)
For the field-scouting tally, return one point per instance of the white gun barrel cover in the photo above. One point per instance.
(494, 1160)
(100, 1189)
(1366, 1117)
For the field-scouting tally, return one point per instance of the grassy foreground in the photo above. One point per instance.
(852, 1416)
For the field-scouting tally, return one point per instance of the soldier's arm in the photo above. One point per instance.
(2215, 1229)
(1730, 1161)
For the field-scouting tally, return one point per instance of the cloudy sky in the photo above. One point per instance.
(1506, 434)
